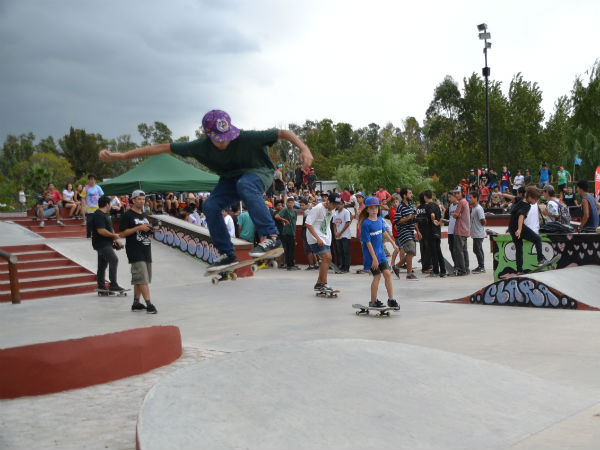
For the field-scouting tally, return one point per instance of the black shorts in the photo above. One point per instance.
(383, 266)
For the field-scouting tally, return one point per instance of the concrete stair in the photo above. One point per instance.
(43, 272)
(72, 227)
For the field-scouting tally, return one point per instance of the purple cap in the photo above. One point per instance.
(217, 126)
(370, 201)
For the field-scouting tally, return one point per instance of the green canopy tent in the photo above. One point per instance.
(161, 173)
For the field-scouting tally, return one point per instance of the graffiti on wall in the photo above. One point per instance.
(187, 243)
(574, 250)
(577, 250)
(506, 257)
(523, 292)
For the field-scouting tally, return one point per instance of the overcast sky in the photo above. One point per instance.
(107, 66)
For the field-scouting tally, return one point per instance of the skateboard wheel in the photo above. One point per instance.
(358, 313)
(273, 264)
(214, 280)
(378, 315)
(254, 268)
(234, 276)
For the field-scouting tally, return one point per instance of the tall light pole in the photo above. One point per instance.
(485, 36)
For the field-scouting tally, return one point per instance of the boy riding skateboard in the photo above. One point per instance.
(242, 161)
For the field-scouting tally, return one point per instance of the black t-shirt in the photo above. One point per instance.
(519, 208)
(278, 223)
(137, 245)
(101, 220)
(422, 220)
(492, 177)
(433, 208)
(569, 199)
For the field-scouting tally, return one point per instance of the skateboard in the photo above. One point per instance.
(327, 294)
(262, 262)
(383, 311)
(536, 270)
(108, 292)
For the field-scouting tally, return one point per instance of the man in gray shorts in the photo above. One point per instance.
(137, 230)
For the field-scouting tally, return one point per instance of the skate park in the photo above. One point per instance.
(266, 364)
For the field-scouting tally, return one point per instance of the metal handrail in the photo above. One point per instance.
(15, 294)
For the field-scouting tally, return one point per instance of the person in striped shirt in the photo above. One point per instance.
(404, 221)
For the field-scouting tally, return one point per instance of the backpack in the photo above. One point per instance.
(564, 216)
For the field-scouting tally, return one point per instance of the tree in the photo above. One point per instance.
(47, 146)
(372, 136)
(81, 150)
(583, 133)
(15, 150)
(41, 168)
(158, 133)
(387, 168)
(343, 135)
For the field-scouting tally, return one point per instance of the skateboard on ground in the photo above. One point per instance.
(261, 262)
(108, 292)
(327, 294)
(382, 311)
(536, 270)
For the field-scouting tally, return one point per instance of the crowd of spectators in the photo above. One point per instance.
(413, 225)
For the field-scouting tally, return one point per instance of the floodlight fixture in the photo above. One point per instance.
(486, 35)
(482, 27)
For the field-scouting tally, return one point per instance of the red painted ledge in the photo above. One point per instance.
(75, 363)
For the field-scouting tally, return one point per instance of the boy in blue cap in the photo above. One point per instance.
(372, 232)
(242, 161)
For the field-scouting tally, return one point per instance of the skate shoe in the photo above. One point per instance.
(268, 244)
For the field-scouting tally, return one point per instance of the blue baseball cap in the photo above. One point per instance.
(370, 201)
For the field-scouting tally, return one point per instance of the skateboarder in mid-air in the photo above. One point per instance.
(372, 232)
(242, 161)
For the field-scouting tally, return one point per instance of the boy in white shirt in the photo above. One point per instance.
(342, 220)
(318, 237)
(229, 223)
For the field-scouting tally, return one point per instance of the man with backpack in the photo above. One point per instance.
(556, 211)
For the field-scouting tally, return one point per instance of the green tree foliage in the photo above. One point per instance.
(47, 146)
(387, 168)
(15, 150)
(158, 133)
(81, 150)
(583, 133)
(42, 168)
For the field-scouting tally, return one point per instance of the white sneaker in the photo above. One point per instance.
(59, 223)
(42, 224)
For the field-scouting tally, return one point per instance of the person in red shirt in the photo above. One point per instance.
(484, 195)
(345, 195)
(383, 195)
(54, 194)
(399, 250)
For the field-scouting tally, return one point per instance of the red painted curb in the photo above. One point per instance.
(75, 363)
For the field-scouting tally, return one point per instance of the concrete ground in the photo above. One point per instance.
(557, 349)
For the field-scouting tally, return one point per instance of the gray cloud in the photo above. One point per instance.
(106, 67)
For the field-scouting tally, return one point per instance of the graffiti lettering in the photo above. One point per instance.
(520, 292)
(187, 243)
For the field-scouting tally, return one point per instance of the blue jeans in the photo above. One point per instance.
(228, 191)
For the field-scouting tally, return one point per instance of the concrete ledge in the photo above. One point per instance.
(57, 366)
(195, 241)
